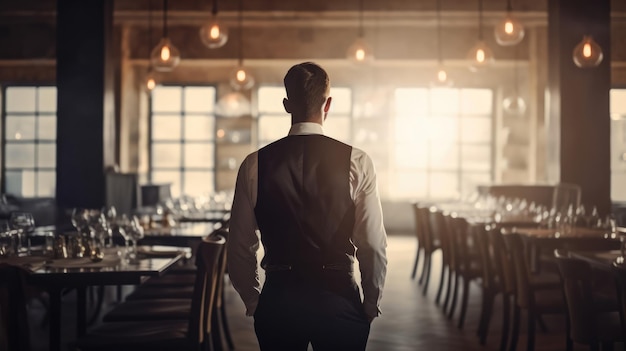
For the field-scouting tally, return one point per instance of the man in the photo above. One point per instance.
(316, 205)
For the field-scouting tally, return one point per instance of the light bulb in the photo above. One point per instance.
(360, 51)
(514, 105)
(587, 53)
(509, 31)
(233, 104)
(213, 34)
(442, 76)
(150, 81)
(241, 79)
(442, 79)
(480, 56)
(165, 56)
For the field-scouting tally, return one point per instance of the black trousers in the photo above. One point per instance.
(322, 308)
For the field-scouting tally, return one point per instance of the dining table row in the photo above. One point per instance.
(541, 261)
(100, 249)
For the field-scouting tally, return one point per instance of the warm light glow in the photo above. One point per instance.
(241, 75)
(221, 133)
(480, 55)
(442, 75)
(18, 135)
(215, 31)
(508, 27)
(150, 83)
(587, 50)
(360, 55)
(165, 53)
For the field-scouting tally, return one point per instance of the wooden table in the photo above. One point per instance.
(602, 260)
(183, 234)
(56, 275)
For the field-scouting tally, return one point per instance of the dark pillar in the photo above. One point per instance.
(579, 123)
(85, 101)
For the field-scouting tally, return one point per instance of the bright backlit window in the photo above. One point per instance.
(274, 122)
(30, 140)
(618, 145)
(442, 142)
(182, 139)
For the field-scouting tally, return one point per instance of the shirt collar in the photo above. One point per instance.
(306, 128)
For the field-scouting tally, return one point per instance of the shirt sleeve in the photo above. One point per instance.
(369, 235)
(243, 242)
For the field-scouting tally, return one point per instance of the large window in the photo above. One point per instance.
(29, 138)
(274, 122)
(618, 145)
(182, 143)
(442, 142)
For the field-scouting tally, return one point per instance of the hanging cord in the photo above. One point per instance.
(439, 55)
(509, 8)
(214, 9)
(515, 73)
(240, 32)
(149, 34)
(164, 18)
(480, 19)
(361, 30)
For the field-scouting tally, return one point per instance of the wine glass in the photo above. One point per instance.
(79, 219)
(134, 230)
(7, 240)
(24, 223)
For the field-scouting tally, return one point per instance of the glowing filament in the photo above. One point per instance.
(360, 54)
(508, 27)
(442, 76)
(587, 50)
(165, 53)
(214, 33)
(241, 75)
(480, 55)
(150, 83)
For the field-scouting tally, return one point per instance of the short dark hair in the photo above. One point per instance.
(307, 85)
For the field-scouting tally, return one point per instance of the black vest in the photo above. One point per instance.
(304, 209)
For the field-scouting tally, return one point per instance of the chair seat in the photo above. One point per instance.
(161, 292)
(150, 310)
(160, 335)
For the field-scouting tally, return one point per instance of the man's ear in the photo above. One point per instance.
(287, 105)
(327, 104)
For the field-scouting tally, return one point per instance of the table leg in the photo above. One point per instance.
(81, 311)
(55, 318)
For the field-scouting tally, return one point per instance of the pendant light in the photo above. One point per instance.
(360, 51)
(442, 74)
(480, 55)
(150, 81)
(509, 31)
(214, 35)
(587, 54)
(514, 104)
(165, 56)
(240, 77)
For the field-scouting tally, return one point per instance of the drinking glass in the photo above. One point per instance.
(8, 244)
(79, 219)
(24, 223)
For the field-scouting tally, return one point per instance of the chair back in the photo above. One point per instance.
(502, 261)
(620, 273)
(516, 248)
(208, 258)
(419, 224)
(440, 229)
(13, 315)
(488, 264)
(464, 241)
(426, 229)
(576, 279)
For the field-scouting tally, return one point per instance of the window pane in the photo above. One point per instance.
(476, 157)
(444, 156)
(47, 128)
(271, 99)
(46, 183)
(199, 128)
(47, 99)
(475, 130)
(198, 183)
(199, 99)
(20, 155)
(342, 101)
(166, 99)
(408, 130)
(273, 127)
(444, 101)
(46, 155)
(476, 101)
(413, 155)
(338, 128)
(168, 177)
(20, 128)
(199, 156)
(20, 99)
(411, 102)
(407, 185)
(13, 182)
(443, 129)
(166, 127)
(471, 180)
(444, 185)
(166, 155)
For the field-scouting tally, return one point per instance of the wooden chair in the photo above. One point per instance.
(594, 319)
(193, 334)
(430, 244)
(419, 235)
(619, 268)
(437, 228)
(13, 315)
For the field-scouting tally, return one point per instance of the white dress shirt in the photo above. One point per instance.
(369, 235)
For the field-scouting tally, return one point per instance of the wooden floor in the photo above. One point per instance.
(409, 322)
